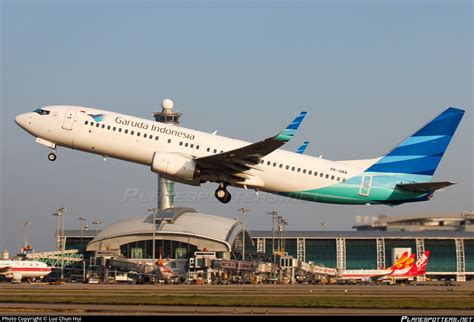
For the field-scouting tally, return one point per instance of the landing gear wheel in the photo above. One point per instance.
(52, 156)
(223, 195)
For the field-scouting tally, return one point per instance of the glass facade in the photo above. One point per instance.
(361, 254)
(164, 248)
(442, 255)
(469, 255)
(321, 251)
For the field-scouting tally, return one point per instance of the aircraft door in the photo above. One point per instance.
(365, 185)
(69, 119)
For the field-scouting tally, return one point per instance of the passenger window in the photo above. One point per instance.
(132, 132)
(315, 173)
(293, 168)
(215, 150)
(310, 172)
(114, 128)
(299, 169)
(191, 146)
(287, 167)
(197, 147)
(180, 143)
(268, 162)
(144, 135)
(120, 129)
(208, 149)
(304, 170)
(97, 124)
(92, 123)
(186, 144)
(156, 138)
(338, 179)
(281, 165)
(169, 140)
(332, 177)
(126, 131)
(274, 164)
(103, 126)
(138, 133)
(86, 122)
(151, 137)
(108, 127)
(327, 176)
(321, 175)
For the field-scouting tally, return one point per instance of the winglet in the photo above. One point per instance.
(302, 147)
(289, 132)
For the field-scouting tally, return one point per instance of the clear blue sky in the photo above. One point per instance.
(369, 74)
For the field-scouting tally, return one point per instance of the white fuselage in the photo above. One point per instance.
(23, 269)
(136, 140)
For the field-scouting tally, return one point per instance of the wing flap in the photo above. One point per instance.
(424, 186)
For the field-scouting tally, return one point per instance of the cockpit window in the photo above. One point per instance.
(41, 111)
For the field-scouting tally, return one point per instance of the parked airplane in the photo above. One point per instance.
(192, 157)
(403, 269)
(403, 262)
(17, 270)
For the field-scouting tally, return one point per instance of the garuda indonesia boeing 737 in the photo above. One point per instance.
(193, 157)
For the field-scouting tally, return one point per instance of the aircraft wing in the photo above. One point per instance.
(424, 187)
(247, 157)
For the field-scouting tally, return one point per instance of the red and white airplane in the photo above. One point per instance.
(404, 268)
(17, 270)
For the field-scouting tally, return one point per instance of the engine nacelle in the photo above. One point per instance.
(16, 277)
(175, 166)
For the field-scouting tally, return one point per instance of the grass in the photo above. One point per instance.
(372, 302)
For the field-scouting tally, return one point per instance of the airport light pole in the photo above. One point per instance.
(61, 239)
(243, 211)
(153, 211)
(97, 222)
(82, 220)
(26, 224)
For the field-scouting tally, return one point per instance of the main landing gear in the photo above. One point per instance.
(222, 194)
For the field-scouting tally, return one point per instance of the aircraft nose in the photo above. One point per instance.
(21, 120)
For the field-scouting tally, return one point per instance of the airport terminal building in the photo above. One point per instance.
(182, 231)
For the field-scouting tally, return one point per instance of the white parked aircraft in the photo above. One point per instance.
(194, 157)
(17, 270)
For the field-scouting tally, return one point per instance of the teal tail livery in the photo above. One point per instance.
(194, 157)
(402, 175)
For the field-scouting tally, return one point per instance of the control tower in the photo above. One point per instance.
(166, 187)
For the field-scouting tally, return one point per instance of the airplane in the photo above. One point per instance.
(192, 157)
(365, 275)
(17, 270)
(403, 269)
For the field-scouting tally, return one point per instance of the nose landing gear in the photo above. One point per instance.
(222, 194)
(52, 156)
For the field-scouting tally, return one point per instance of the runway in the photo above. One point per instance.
(97, 299)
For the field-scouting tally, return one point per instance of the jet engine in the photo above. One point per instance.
(175, 167)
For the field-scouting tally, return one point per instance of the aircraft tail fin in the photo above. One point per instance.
(421, 153)
(420, 266)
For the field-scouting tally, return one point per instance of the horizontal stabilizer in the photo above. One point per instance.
(424, 186)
